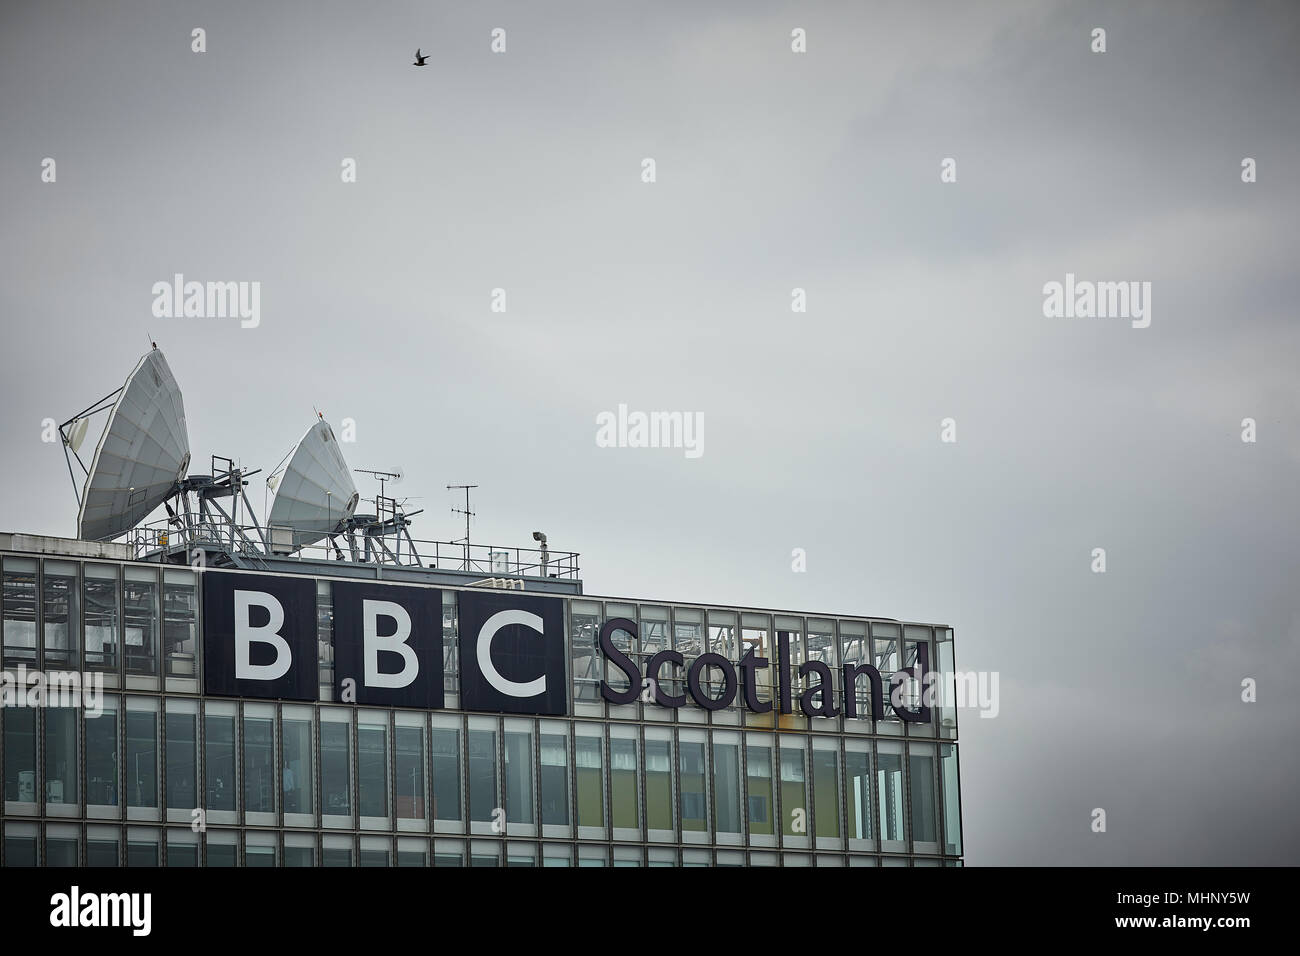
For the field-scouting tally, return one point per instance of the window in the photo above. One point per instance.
(61, 844)
(688, 640)
(521, 854)
(182, 754)
(482, 771)
(336, 764)
(219, 782)
(755, 635)
(335, 850)
(446, 769)
(450, 643)
(519, 772)
(593, 856)
(890, 784)
(855, 648)
(101, 755)
(412, 852)
(857, 779)
(223, 848)
(590, 766)
(103, 846)
(790, 630)
(99, 600)
(555, 775)
(19, 610)
(726, 781)
(182, 847)
(886, 638)
(484, 853)
(448, 853)
(179, 616)
(826, 788)
(821, 643)
(142, 752)
(655, 637)
(259, 759)
(724, 639)
(553, 855)
(951, 799)
(408, 747)
(61, 613)
(794, 789)
(142, 847)
(693, 781)
(628, 856)
(325, 632)
(921, 766)
(914, 638)
(299, 848)
(375, 851)
(260, 849)
(20, 844)
(758, 770)
(948, 698)
(61, 757)
(296, 772)
(614, 676)
(140, 615)
(624, 781)
(659, 781)
(372, 763)
(20, 754)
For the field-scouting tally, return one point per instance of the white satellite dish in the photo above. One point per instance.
(142, 455)
(314, 493)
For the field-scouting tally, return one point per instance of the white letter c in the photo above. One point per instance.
(484, 651)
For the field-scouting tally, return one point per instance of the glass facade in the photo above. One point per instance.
(166, 775)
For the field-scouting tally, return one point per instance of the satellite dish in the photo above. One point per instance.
(77, 433)
(142, 455)
(314, 493)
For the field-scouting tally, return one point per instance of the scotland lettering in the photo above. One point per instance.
(817, 700)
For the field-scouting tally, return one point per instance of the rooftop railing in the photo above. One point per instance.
(159, 538)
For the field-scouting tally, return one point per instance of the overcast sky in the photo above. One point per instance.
(775, 170)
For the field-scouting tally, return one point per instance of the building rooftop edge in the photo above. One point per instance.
(20, 542)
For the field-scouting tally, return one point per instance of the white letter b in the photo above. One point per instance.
(371, 612)
(246, 634)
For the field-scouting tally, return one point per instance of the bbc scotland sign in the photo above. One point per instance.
(261, 639)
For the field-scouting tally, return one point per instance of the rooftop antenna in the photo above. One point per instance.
(467, 513)
(393, 476)
(390, 518)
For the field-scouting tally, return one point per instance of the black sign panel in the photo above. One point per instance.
(388, 642)
(259, 636)
(512, 653)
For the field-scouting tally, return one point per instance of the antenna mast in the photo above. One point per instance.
(467, 513)
(381, 475)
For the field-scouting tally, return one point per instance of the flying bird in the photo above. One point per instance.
(420, 58)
